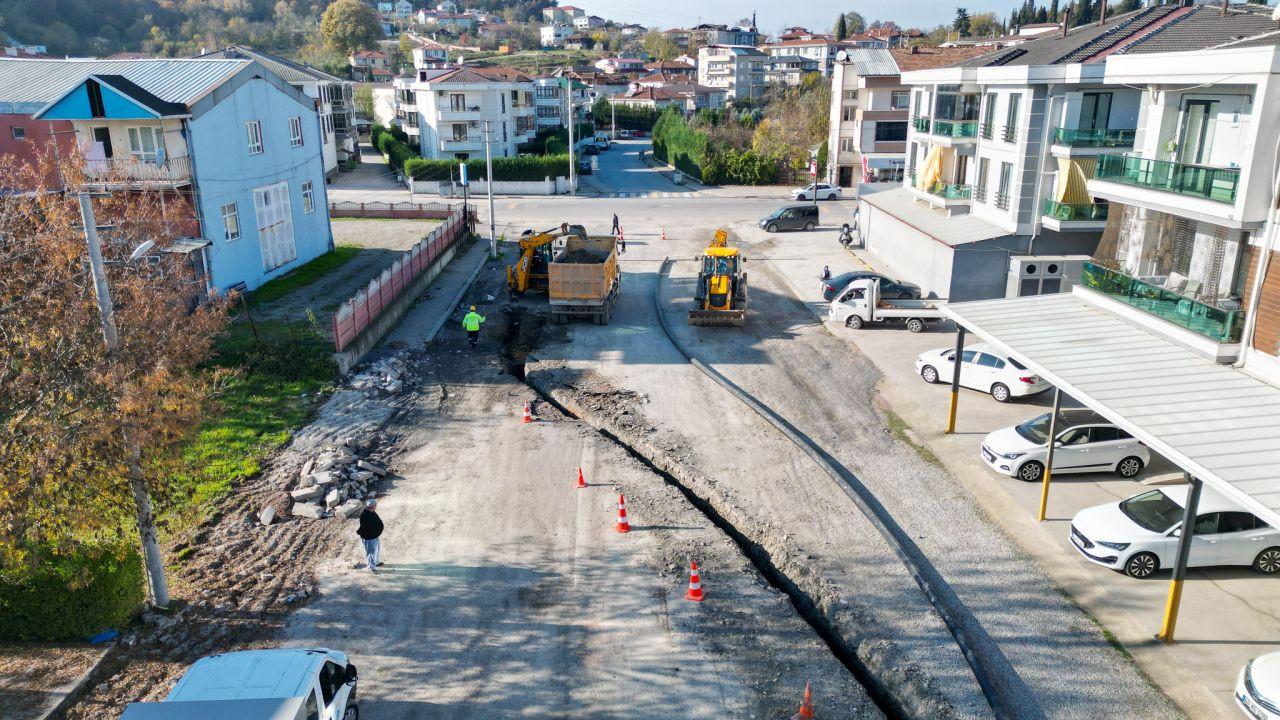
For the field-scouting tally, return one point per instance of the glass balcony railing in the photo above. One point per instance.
(951, 191)
(1093, 138)
(1068, 212)
(1213, 322)
(956, 128)
(1210, 183)
(922, 124)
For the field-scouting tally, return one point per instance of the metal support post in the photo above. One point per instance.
(613, 122)
(488, 171)
(573, 165)
(1180, 564)
(1048, 460)
(955, 381)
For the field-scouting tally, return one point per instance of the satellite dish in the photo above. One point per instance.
(142, 250)
(842, 56)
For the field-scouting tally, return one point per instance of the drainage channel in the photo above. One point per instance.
(523, 329)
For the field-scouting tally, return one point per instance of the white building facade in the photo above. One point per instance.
(738, 70)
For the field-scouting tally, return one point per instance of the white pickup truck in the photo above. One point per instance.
(860, 304)
(280, 684)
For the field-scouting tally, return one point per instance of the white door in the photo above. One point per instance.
(1243, 537)
(334, 692)
(973, 375)
(275, 225)
(1073, 454)
(1206, 542)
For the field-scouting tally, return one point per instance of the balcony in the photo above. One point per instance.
(955, 128)
(459, 113)
(1101, 138)
(466, 145)
(138, 173)
(1222, 325)
(953, 198)
(951, 191)
(921, 123)
(1074, 216)
(1201, 181)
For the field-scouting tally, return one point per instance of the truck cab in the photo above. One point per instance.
(861, 304)
(279, 684)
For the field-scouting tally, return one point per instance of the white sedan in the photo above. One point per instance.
(823, 191)
(1258, 687)
(983, 368)
(1140, 535)
(1086, 442)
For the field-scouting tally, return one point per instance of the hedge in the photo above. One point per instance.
(626, 116)
(525, 168)
(691, 152)
(71, 597)
(394, 150)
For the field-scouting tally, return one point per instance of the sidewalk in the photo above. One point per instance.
(438, 304)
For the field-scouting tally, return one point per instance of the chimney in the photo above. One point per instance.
(1103, 18)
(1066, 17)
(1223, 11)
(915, 49)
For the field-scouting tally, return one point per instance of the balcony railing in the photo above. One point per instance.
(986, 131)
(1211, 321)
(955, 128)
(1003, 200)
(1093, 138)
(922, 124)
(142, 172)
(1210, 183)
(1009, 133)
(979, 193)
(951, 191)
(1068, 212)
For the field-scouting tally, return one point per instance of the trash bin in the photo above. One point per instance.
(677, 177)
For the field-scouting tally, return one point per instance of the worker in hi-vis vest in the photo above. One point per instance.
(472, 325)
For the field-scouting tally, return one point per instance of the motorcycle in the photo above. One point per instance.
(846, 235)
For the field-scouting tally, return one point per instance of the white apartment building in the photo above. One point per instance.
(867, 142)
(555, 35)
(447, 111)
(549, 101)
(736, 69)
(820, 49)
(588, 22)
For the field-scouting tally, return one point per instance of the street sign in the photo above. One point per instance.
(462, 172)
(813, 168)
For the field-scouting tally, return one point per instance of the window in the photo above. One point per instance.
(848, 114)
(502, 100)
(980, 186)
(915, 98)
(850, 95)
(312, 707)
(899, 99)
(295, 131)
(331, 678)
(1006, 179)
(103, 135)
(1011, 118)
(968, 356)
(988, 116)
(18, 133)
(146, 144)
(891, 131)
(253, 131)
(1074, 436)
(94, 90)
(230, 222)
(459, 132)
(275, 224)
(457, 102)
(846, 145)
(308, 197)
(1206, 524)
(1239, 522)
(990, 361)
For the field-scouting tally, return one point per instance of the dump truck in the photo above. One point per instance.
(720, 299)
(584, 280)
(860, 304)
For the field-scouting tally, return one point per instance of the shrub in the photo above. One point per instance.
(394, 150)
(556, 146)
(525, 168)
(75, 596)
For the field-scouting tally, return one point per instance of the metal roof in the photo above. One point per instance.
(28, 85)
(872, 62)
(950, 230)
(291, 72)
(1216, 422)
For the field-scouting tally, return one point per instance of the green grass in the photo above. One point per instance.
(305, 275)
(899, 427)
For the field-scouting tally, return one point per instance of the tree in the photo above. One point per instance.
(1126, 6)
(659, 46)
(364, 101)
(1055, 16)
(854, 23)
(348, 26)
(961, 23)
(841, 30)
(984, 24)
(91, 434)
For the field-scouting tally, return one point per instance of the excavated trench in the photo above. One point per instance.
(524, 328)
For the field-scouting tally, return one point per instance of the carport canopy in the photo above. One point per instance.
(1216, 422)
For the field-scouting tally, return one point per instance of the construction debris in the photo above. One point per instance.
(384, 376)
(340, 482)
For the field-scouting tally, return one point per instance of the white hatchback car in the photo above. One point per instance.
(1258, 687)
(1086, 442)
(1140, 535)
(983, 369)
(823, 191)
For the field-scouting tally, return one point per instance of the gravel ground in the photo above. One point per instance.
(33, 675)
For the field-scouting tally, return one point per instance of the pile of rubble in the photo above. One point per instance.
(386, 375)
(336, 483)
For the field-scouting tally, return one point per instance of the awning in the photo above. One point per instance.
(931, 169)
(1217, 423)
(1073, 177)
(883, 160)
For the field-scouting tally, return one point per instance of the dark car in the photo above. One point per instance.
(791, 217)
(584, 166)
(889, 287)
(591, 149)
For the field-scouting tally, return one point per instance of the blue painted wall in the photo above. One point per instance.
(225, 172)
(75, 106)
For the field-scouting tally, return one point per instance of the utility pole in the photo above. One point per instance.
(573, 166)
(154, 561)
(613, 122)
(488, 171)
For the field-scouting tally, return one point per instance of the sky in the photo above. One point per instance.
(817, 15)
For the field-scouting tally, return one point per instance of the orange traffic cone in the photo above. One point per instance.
(664, 234)
(623, 526)
(806, 707)
(695, 584)
(528, 416)
(581, 481)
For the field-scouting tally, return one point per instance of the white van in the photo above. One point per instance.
(281, 684)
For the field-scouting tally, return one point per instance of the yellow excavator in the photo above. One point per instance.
(721, 295)
(530, 270)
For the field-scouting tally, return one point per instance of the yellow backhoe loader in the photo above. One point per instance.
(721, 295)
(530, 270)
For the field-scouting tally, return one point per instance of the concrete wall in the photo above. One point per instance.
(905, 252)
(225, 172)
(37, 141)
(479, 188)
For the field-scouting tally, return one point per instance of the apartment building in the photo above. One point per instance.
(619, 65)
(447, 110)
(1004, 145)
(672, 67)
(588, 22)
(228, 142)
(550, 106)
(789, 70)
(820, 49)
(736, 69)
(555, 35)
(869, 112)
(333, 97)
(562, 14)
(685, 97)
(707, 34)
(369, 66)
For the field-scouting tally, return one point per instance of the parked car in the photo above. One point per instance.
(584, 166)
(824, 191)
(1140, 535)
(888, 286)
(283, 684)
(1085, 442)
(791, 217)
(602, 142)
(984, 369)
(590, 149)
(1258, 687)
(624, 135)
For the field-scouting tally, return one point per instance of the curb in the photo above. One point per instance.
(73, 688)
(457, 298)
